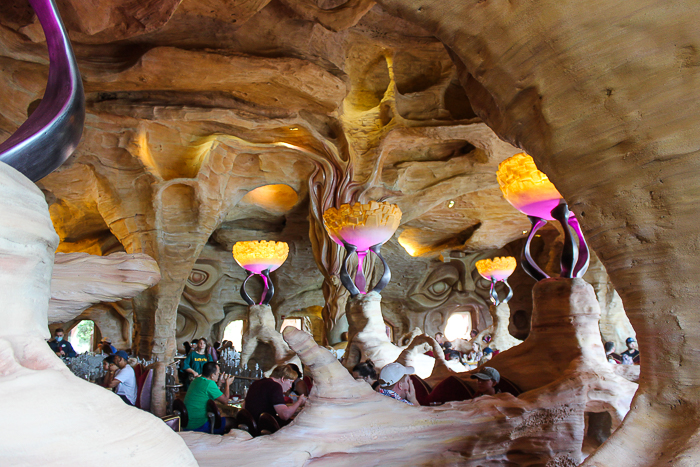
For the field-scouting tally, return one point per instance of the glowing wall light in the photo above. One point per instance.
(274, 198)
(497, 270)
(260, 257)
(362, 228)
(531, 192)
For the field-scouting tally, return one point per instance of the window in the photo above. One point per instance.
(293, 322)
(458, 326)
(234, 333)
(82, 336)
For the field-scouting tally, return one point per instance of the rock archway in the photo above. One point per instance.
(605, 99)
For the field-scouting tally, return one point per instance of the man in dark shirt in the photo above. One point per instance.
(267, 395)
(631, 355)
(61, 347)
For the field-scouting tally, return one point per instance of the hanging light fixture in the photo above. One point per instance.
(531, 192)
(362, 228)
(496, 270)
(260, 257)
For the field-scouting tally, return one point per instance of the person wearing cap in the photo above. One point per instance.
(629, 355)
(106, 340)
(395, 382)
(486, 380)
(124, 379)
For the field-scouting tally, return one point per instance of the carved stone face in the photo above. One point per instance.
(452, 287)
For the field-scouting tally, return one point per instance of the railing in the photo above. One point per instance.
(230, 363)
(87, 366)
(172, 386)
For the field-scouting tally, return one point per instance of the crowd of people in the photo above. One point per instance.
(283, 394)
(479, 354)
(394, 380)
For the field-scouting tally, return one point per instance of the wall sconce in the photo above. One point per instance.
(531, 192)
(362, 228)
(260, 258)
(497, 270)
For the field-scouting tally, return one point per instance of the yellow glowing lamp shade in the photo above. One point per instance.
(498, 269)
(526, 188)
(362, 225)
(256, 256)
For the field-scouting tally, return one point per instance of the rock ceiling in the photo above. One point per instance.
(194, 105)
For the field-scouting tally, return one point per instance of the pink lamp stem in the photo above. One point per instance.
(262, 299)
(360, 280)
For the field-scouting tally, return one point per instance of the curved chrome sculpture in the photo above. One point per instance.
(529, 191)
(268, 291)
(362, 228)
(346, 280)
(260, 257)
(497, 270)
(52, 132)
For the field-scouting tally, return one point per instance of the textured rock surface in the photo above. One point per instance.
(262, 342)
(603, 95)
(346, 423)
(373, 110)
(368, 340)
(33, 381)
(80, 280)
(610, 118)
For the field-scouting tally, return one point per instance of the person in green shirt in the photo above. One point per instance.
(200, 391)
(196, 359)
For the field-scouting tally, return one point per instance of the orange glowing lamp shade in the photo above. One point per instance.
(526, 188)
(256, 256)
(362, 225)
(498, 269)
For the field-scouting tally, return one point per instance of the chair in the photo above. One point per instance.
(422, 390)
(140, 384)
(245, 422)
(145, 393)
(173, 421)
(506, 385)
(180, 409)
(300, 388)
(138, 370)
(451, 389)
(267, 424)
(213, 415)
(309, 382)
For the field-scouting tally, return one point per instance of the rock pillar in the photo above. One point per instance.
(33, 381)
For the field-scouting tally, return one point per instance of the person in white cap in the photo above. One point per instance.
(106, 340)
(394, 382)
(486, 380)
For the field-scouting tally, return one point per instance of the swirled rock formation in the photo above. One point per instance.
(628, 185)
(192, 105)
(262, 342)
(345, 422)
(81, 280)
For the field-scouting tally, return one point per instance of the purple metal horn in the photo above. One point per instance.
(52, 132)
